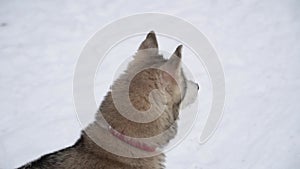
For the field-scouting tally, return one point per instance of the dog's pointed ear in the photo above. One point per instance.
(150, 42)
(173, 65)
(174, 62)
(177, 53)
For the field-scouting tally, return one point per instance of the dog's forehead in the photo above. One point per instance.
(146, 60)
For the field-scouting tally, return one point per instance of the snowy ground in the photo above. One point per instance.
(258, 43)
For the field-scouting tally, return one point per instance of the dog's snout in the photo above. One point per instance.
(197, 86)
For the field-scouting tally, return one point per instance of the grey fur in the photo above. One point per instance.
(85, 153)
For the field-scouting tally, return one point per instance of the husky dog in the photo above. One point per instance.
(172, 90)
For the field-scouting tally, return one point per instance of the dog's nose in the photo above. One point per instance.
(197, 86)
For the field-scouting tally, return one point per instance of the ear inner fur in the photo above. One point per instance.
(149, 42)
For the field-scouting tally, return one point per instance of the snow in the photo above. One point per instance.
(258, 45)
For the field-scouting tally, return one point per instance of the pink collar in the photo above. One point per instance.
(134, 143)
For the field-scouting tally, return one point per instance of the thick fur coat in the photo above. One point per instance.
(171, 87)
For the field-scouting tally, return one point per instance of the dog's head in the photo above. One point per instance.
(154, 86)
(166, 75)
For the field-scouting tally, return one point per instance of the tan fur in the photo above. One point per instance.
(87, 154)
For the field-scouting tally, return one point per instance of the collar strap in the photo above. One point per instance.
(133, 143)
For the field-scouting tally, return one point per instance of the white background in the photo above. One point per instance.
(258, 45)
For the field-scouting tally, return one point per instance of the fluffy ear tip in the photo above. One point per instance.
(149, 42)
(151, 34)
(178, 50)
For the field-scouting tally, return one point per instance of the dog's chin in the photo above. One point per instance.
(190, 95)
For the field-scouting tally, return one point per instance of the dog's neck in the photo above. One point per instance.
(105, 144)
(134, 143)
(95, 137)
